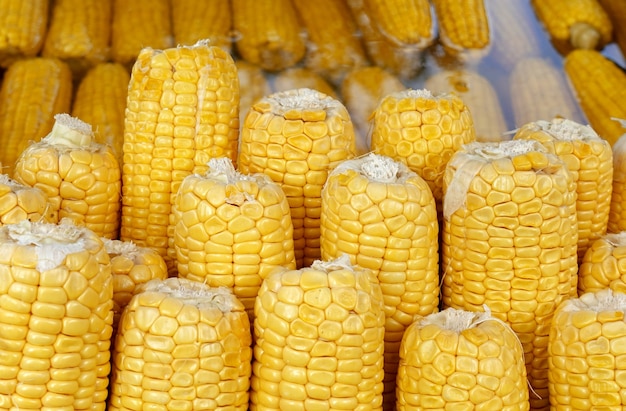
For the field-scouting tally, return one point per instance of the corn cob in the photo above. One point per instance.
(296, 137)
(383, 216)
(301, 77)
(423, 131)
(586, 353)
(193, 21)
(131, 266)
(100, 100)
(182, 345)
(80, 177)
(138, 24)
(23, 27)
(463, 25)
(232, 230)
(590, 160)
(603, 265)
(269, 33)
(478, 94)
(20, 202)
(79, 33)
(509, 242)
(574, 24)
(32, 92)
(600, 86)
(55, 318)
(253, 85)
(318, 339)
(617, 211)
(616, 10)
(459, 359)
(182, 110)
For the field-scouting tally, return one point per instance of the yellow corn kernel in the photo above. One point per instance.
(604, 265)
(182, 110)
(617, 212)
(81, 178)
(23, 27)
(33, 91)
(463, 25)
(586, 351)
(253, 85)
(296, 137)
(301, 77)
(20, 202)
(509, 241)
(182, 345)
(460, 359)
(318, 339)
(198, 20)
(55, 317)
(383, 216)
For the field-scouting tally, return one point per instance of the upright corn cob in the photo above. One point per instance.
(301, 77)
(463, 25)
(616, 10)
(79, 33)
(182, 345)
(138, 24)
(478, 94)
(383, 216)
(20, 202)
(617, 212)
(587, 353)
(268, 33)
(198, 20)
(603, 265)
(23, 27)
(459, 359)
(100, 100)
(423, 131)
(600, 86)
(590, 160)
(55, 318)
(318, 339)
(231, 230)
(81, 178)
(296, 137)
(32, 92)
(509, 242)
(253, 85)
(182, 110)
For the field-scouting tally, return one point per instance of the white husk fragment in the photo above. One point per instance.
(340, 263)
(567, 130)
(69, 131)
(195, 293)
(616, 239)
(222, 170)
(456, 320)
(119, 247)
(412, 93)
(375, 167)
(301, 99)
(599, 301)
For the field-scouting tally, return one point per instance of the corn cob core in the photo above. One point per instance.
(296, 137)
(55, 317)
(604, 265)
(587, 352)
(509, 241)
(459, 359)
(232, 230)
(20, 202)
(182, 345)
(383, 216)
(319, 339)
(617, 212)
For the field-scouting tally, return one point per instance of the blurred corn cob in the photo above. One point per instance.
(296, 137)
(301, 77)
(20, 202)
(182, 345)
(463, 26)
(617, 213)
(100, 100)
(33, 91)
(193, 21)
(81, 178)
(604, 265)
(600, 86)
(268, 33)
(478, 94)
(509, 242)
(539, 91)
(253, 85)
(616, 9)
(23, 27)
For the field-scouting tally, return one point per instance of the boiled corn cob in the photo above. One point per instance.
(616, 10)
(478, 94)
(79, 33)
(509, 242)
(182, 345)
(296, 137)
(198, 20)
(617, 212)
(55, 318)
(268, 33)
(20, 202)
(460, 359)
(81, 178)
(301, 77)
(232, 230)
(100, 100)
(383, 216)
(463, 25)
(603, 265)
(423, 131)
(600, 86)
(587, 353)
(253, 85)
(589, 158)
(23, 27)
(182, 110)
(318, 339)
(32, 92)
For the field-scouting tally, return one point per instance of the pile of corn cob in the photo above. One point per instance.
(303, 273)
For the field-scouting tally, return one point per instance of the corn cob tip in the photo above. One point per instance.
(566, 129)
(70, 131)
(584, 36)
(340, 263)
